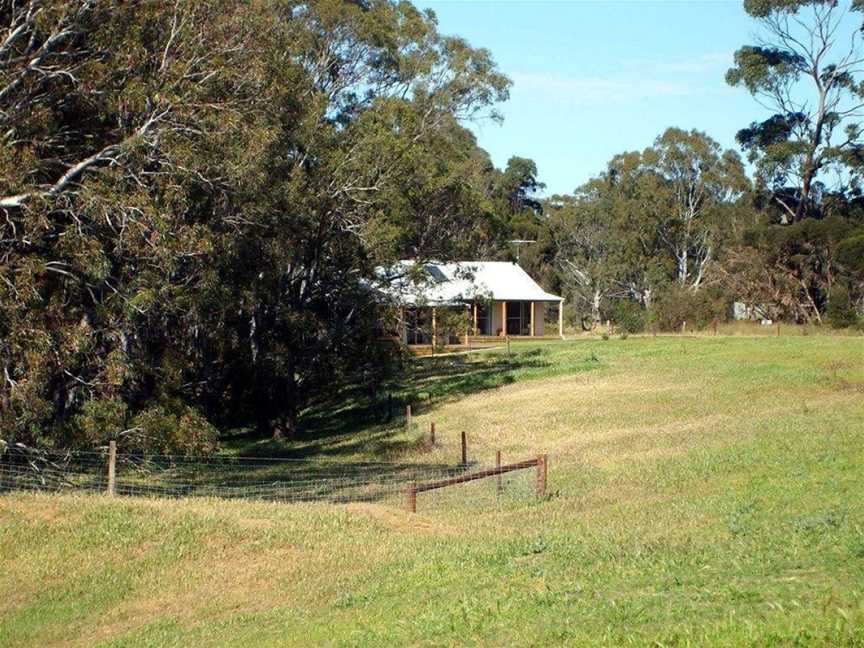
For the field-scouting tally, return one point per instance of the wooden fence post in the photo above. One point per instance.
(464, 449)
(541, 476)
(112, 467)
(498, 466)
(411, 498)
(408, 417)
(432, 433)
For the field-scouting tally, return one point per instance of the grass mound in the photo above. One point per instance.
(702, 491)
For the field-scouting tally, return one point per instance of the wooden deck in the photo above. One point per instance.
(477, 342)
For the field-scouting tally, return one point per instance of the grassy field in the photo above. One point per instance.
(703, 490)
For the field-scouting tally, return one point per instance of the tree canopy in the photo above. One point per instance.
(195, 196)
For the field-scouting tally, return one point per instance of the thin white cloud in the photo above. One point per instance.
(597, 90)
(714, 61)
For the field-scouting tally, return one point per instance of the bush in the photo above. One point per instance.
(169, 427)
(99, 420)
(679, 304)
(840, 312)
(182, 431)
(629, 317)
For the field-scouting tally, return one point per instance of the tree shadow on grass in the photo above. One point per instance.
(230, 477)
(349, 424)
(353, 421)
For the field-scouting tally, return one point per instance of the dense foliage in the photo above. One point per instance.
(194, 195)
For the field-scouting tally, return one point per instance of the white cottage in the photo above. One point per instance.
(500, 299)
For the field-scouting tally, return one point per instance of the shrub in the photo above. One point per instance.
(679, 304)
(175, 430)
(629, 316)
(99, 420)
(840, 312)
(169, 426)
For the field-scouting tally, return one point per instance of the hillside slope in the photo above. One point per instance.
(702, 491)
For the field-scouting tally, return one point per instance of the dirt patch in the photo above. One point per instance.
(400, 521)
(851, 386)
(39, 509)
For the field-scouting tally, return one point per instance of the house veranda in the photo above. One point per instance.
(469, 302)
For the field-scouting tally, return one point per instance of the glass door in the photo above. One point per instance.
(518, 318)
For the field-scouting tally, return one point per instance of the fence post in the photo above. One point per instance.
(464, 449)
(778, 329)
(112, 467)
(411, 498)
(498, 466)
(541, 475)
(715, 327)
(408, 417)
(432, 433)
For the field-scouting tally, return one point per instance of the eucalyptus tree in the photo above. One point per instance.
(806, 70)
(119, 133)
(585, 241)
(376, 130)
(607, 245)
(690, 185)
(192, 193)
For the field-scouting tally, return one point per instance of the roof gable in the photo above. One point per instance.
(453, 283)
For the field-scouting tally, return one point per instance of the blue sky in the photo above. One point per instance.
(592, 79)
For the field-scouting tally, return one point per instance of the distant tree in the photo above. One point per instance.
(690, 187)
(653, 219)
(793, 271)
(581, 237)
(519, 186)
(807, 71)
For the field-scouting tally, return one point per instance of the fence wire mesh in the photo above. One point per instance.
(284, 480)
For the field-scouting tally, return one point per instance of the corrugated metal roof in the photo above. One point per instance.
(453, 283)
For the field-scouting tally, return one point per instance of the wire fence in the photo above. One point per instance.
(274, 479)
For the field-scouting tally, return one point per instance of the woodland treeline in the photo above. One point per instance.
(193, 197)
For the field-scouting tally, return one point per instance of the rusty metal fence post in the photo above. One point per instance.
(500, 485)
(464, 449)
(432, 433)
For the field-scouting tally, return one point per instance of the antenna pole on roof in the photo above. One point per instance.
(518, 243)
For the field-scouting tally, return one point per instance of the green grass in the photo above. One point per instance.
(703, 491)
